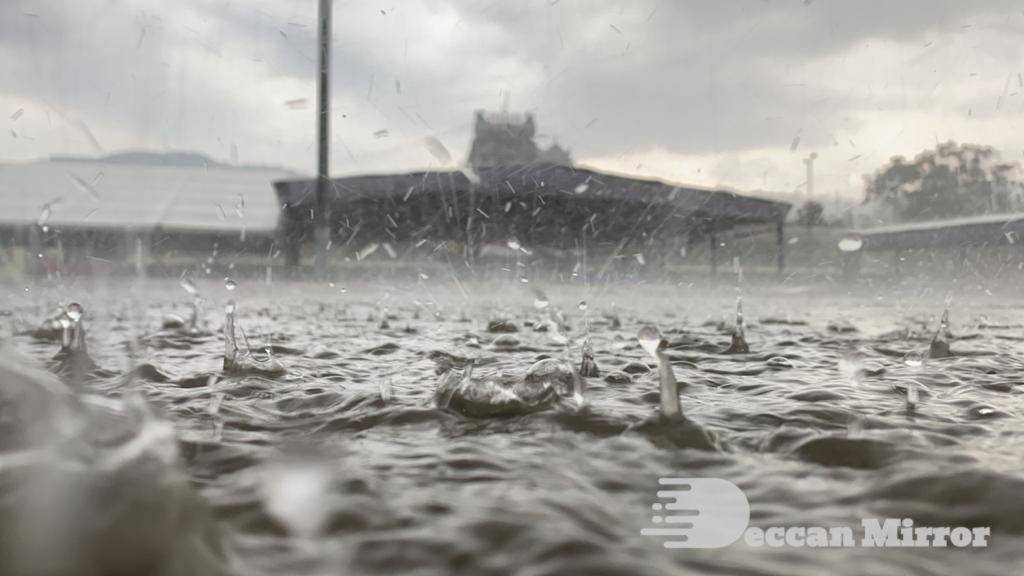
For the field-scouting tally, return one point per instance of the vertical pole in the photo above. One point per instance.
(713, 239)
(470, 249)
(322, 220)
(60, 264)
(809, 161)
(34, 264)
(780, 241)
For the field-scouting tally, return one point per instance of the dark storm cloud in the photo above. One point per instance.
(606, 78)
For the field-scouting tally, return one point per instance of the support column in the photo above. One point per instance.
(322, 216)
(136, 252)
(60, 262)
(851, 264)
(33, 263)
(780, 241)
(713, 239)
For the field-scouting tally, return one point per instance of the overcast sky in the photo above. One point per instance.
(715, 93)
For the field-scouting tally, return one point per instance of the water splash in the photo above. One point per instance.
(912, 397)
(386, 389)
(588, 366)
(547, 383)
(73, 360)
(188, 285)
(242, 361)
(739, 340)
(913, 359)
(230, 344)
(230, 284)
(294, 493)
(651, 340)
(851, 244)
(939, 347)
(96, 470)
(851, 367)
(540, 301)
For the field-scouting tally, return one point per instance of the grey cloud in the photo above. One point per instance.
(604, 77)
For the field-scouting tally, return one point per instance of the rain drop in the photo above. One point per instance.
(913, 397)
(851, 366)
(74, 311)
(44, 217)
(851, 244)
(189, 286)
(230, 284)
(367, 251)
(294, 494)
(650, 339)
(914, 359)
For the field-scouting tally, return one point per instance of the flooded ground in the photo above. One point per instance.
(343, 463)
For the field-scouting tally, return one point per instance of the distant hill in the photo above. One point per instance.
(174, 158)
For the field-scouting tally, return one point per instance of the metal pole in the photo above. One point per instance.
(780, 242)
(713, 245)
(809, 161)
(322, 220)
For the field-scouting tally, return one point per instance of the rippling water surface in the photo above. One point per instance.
(343, 464)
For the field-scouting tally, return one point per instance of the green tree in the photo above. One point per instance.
(810, 214)
(951, 181)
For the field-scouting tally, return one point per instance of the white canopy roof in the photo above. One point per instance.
(129, 193)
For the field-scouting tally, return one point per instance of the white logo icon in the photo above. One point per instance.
(705, 513)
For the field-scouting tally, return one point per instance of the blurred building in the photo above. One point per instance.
(70, 213)
(506, 139)
(565, 212)
(515, 192)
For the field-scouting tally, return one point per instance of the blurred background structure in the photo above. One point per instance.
(514, 193)
(79, 215)
(72, 215)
